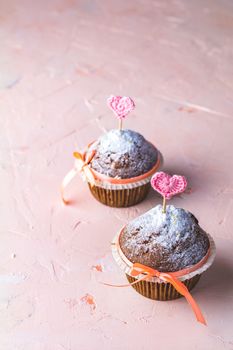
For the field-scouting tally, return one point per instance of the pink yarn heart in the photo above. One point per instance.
(167, 185)
(121, 106)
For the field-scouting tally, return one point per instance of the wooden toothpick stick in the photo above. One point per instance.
(164, 204)
(120, 124)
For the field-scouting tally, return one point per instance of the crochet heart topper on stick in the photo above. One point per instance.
(168, 186)
(121, 106)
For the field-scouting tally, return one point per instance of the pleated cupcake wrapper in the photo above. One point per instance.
(163, 291)
(120, 198)
(119, 258)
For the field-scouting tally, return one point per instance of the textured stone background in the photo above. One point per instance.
(59, 61)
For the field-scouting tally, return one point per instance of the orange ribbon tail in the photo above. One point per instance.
(67, 179)
(183, 290)
(127, 284)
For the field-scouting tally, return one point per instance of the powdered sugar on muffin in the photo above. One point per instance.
(123, 153)
(168, 241)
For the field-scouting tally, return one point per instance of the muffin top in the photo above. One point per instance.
(167, 242)
(123, 154)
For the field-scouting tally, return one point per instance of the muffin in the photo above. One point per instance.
(170, 242)
(123, 164)
(119, 165)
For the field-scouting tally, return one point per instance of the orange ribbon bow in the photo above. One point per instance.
(81, 165)
(170, 277)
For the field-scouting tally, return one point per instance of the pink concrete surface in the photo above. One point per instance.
(59, 62)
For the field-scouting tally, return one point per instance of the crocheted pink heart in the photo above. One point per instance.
(167, 185)
(121, 106)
